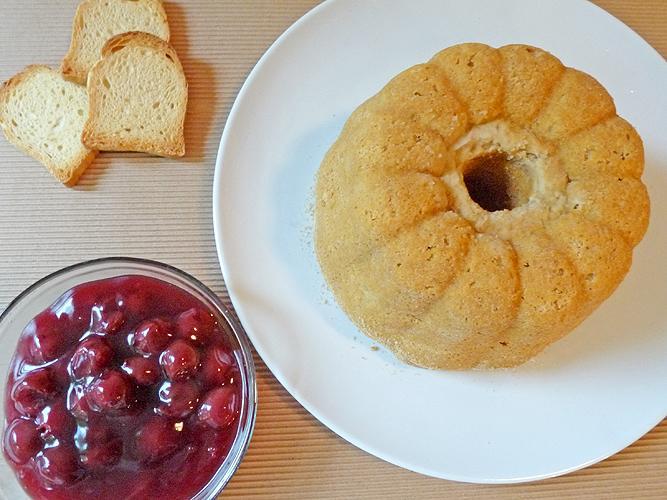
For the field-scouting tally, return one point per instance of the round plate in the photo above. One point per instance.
(585, 398)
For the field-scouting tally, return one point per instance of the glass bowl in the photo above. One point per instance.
(44, 292)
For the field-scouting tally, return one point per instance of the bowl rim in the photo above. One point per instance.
(247, 418)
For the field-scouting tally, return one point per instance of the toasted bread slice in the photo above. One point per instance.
(98, 20)
(138, 95)
(43, 114)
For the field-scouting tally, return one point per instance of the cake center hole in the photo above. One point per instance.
(496, 183)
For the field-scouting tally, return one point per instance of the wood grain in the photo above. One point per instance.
(133, 205)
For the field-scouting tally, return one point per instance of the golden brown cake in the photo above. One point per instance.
(479, 207)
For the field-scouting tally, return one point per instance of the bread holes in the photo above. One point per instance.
(106, 83)
(169, 57)
(79, 112)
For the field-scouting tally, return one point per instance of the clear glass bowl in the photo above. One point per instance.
(44, 292)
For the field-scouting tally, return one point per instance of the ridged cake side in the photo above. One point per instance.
(420, 266)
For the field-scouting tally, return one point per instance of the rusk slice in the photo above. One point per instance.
(138, 96)
(43, 114)
(98, 20)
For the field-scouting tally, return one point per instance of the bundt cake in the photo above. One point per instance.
(479, 207)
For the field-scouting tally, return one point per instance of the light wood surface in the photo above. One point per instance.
(129, 204)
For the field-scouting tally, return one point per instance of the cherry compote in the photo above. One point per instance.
(124, 388)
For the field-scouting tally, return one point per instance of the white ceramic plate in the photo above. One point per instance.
(584, 399)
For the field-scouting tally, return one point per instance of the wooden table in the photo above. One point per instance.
(133, 205)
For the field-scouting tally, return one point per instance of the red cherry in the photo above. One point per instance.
(113, 321)
(216, 366)
(75, 304)
(143, 371)
(59, 373)
(32, 392)
(150, 337)
(157, 439)
(112, 392)
(179, 361)
(58, 465)
(220, 407)
(137, 302)
(178, 399)
(47, 337)
(97, 430)
(195, 325)
(21, 441)
(77, 403)
(106, 319)
(24, 348)
(80, 301)
(55, 420)
(99, 446)
(102, 454)
(91, 357)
